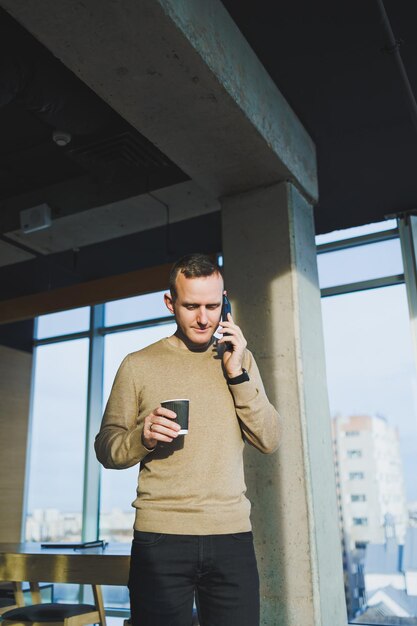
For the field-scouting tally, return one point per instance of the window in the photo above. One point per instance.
(356, 231)
(356, 475)
(55, 476)
(363, 262)
(354, 454)
(118, 489)
(64, 404)
(371, 375)
(136, 309)
(63, 323)
(360, 497)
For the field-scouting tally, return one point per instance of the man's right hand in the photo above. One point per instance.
(158, 426)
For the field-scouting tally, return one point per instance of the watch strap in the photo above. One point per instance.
(243, 377)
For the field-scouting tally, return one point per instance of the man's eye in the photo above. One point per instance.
(191, 307)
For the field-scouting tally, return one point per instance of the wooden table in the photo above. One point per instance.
(95, 566)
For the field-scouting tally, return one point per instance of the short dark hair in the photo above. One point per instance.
(192, 266)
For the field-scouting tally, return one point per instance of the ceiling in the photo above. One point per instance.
(328, 59)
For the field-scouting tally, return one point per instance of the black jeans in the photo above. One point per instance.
(167, 570)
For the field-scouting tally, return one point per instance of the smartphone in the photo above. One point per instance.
(226, 308)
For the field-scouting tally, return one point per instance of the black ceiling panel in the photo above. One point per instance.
(329, 59)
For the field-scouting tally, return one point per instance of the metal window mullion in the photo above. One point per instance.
(60, 338)
(28, 457)
(374, 283)
(91, 493)
(354, 242)
(408, 238)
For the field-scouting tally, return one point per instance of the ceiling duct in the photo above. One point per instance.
(124, 149)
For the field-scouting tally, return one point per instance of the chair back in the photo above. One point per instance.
(52, 614)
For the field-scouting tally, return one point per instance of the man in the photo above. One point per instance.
(192, 533)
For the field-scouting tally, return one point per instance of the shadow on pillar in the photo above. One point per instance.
(264, 475)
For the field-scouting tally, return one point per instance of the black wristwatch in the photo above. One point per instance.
(242, 378)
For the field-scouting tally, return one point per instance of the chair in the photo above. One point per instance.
(6, 604)
(52, 613)
(10, 598)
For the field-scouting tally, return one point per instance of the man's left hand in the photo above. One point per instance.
(233, 358)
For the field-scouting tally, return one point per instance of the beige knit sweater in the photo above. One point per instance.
(194, 485)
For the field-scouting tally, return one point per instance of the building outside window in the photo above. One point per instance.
(356, 475)
(358, 497)
(354, 454)
(367, 279)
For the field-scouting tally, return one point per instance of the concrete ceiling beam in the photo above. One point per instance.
(181, 73)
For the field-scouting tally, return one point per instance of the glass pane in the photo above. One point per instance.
(55, 482)
(137, 309)
(356, 231)
(63, 323)
(118, 488)
(372, 387)
(352, 265)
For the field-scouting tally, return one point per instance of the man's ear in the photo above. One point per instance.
(169, 303)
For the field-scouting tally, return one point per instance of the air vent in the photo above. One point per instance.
(124, 148)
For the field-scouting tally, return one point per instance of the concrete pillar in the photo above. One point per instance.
(271, 277)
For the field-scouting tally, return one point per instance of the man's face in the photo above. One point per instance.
(197, 308)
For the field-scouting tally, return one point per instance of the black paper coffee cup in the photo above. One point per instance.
(180, 406)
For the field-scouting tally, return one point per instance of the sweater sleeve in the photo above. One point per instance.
(260, 422)
(119, 443)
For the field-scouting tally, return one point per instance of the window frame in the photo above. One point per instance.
(95, 334)
(94, 410)
(406, 232)
(353, 242)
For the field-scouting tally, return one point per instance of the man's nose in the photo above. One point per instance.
(202, 316)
